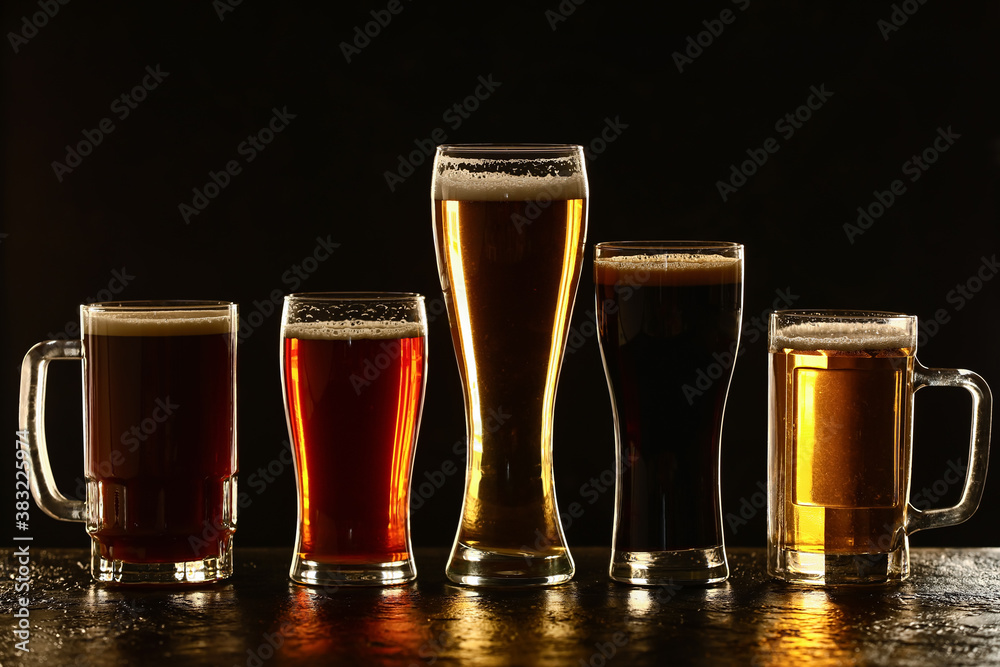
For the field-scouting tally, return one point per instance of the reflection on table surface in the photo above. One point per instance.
(947, 613)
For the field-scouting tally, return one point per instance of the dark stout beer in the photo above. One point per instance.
(840, 415)
(161, 460)
(669, 327)
(354, 395)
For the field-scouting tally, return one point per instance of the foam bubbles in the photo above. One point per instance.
(667, 262)
(476, 179)
(158, 323)
(353, 330)
(844, 336)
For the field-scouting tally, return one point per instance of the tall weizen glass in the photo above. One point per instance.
(509, 227)
(668, 316)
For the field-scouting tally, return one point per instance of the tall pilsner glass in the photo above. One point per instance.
(509, 227)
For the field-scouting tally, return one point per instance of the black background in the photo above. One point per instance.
(559, 81)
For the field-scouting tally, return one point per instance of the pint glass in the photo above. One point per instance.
(509, 229)
(668, 316)
(159, 399)
(841, 387)
(353, 368)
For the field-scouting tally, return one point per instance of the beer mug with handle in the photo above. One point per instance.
(159, 400)
(841, 386)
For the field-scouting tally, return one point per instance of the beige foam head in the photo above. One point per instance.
(844, 336)
(487, 179)
(158, 323)
(353, 330)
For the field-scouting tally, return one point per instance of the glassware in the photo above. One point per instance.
(354, 368)
(841, 386)
(668, 316)
(159, 397)
(509, 227)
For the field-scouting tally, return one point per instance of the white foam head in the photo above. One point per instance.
(845, 336)
(157, 323)
(490, 179)
(353, 330)
(673, 261)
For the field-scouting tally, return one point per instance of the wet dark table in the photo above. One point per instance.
(948, 613)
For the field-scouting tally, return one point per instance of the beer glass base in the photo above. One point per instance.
(470, 566)
(656, 568)
(201, 571)
(320, 574)
(802, 567)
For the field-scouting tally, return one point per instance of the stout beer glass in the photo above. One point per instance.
(159, 400)
(668, 316)
(353, 369)
(841, 387)
(509, 229)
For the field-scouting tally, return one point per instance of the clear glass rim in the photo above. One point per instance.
(518, 151)
(153, 305)
(353, 296)
(667, 245)
(840, 315)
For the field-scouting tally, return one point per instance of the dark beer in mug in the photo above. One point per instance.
(161, 461)
(159, 432)
(669, 327)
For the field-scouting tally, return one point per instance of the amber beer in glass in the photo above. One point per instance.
(159, 438)
(353, 374)
(841, 387)
(668, 313)
(509, 228)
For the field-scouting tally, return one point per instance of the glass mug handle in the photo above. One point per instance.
(31, 427)
(979, 447)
